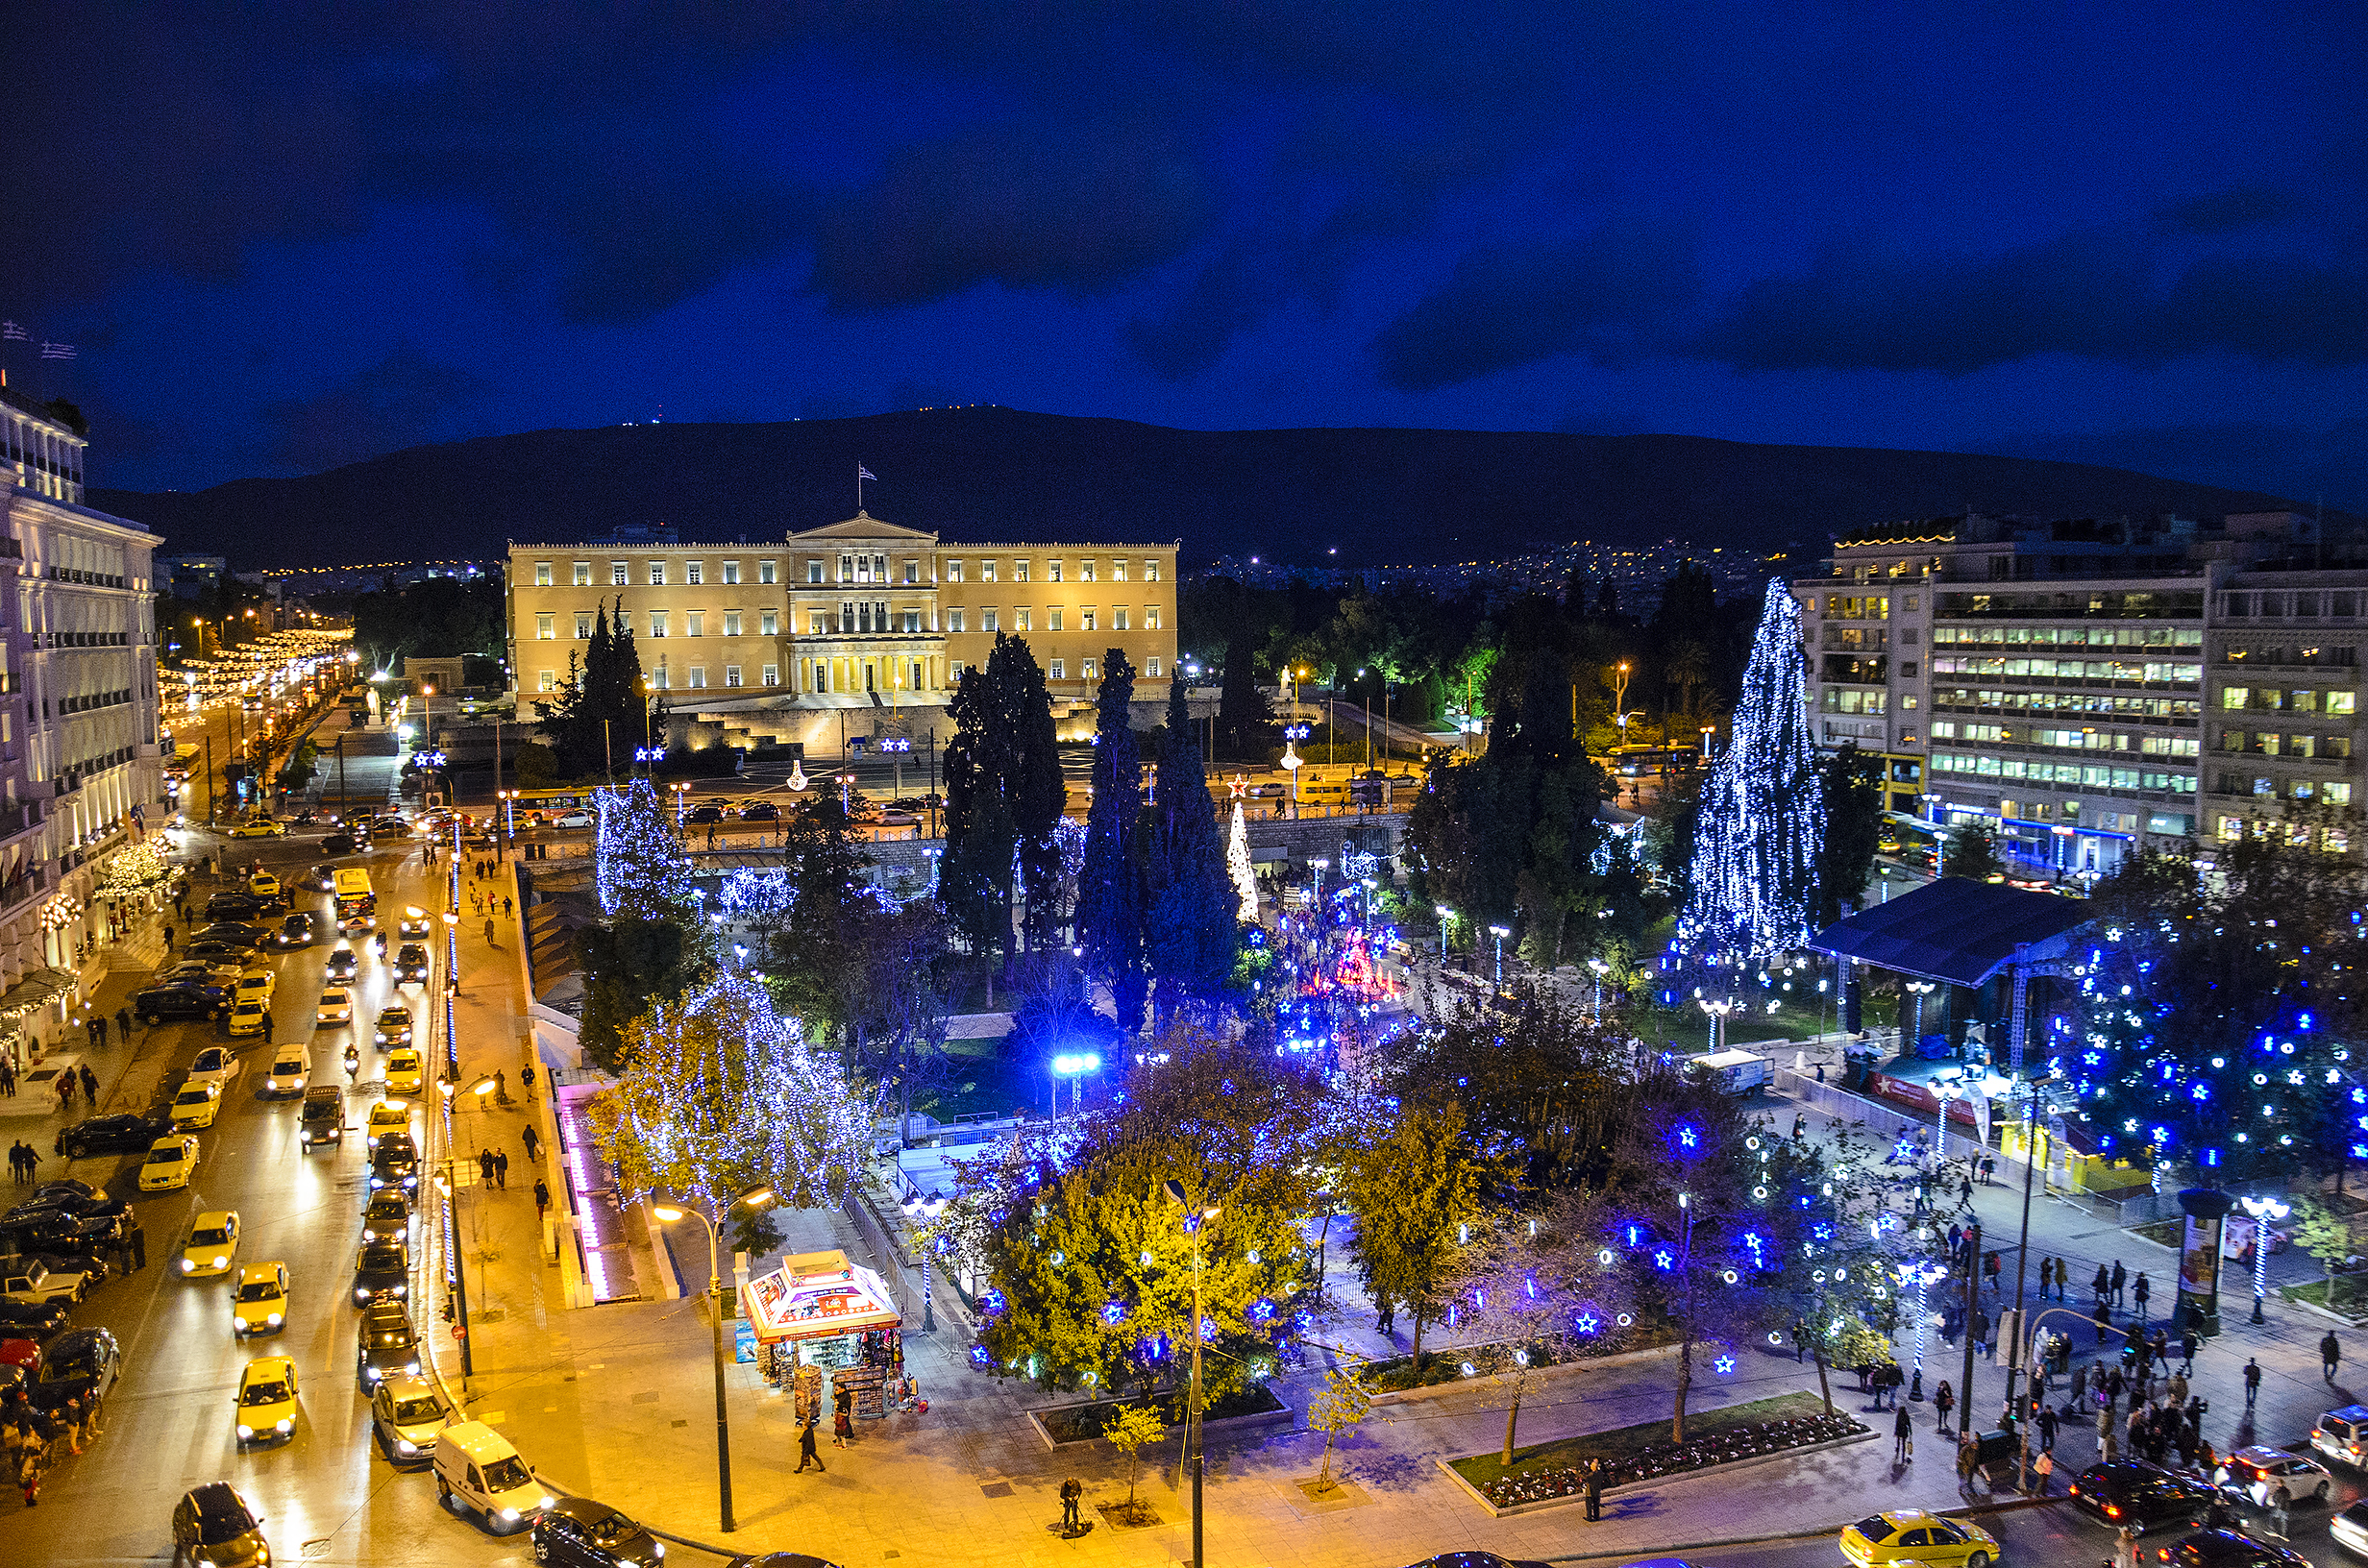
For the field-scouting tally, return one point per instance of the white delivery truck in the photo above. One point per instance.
(1731, 1072)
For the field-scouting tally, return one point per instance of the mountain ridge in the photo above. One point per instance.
(1380, 495)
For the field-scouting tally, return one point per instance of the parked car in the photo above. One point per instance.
(34, 1324)
(231, 933)
(183, 999)
(2146, 1495)
(169, 1163)
(214, 1064)
(214, 1527)
(114, 1134)
(582, 1533)
(84, 1353)
(32, 1283)
(233, 906)
(407, 1415)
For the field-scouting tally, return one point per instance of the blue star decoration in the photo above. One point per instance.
(1723, 1366)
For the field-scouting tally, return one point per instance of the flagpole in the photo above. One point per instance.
(858, 487)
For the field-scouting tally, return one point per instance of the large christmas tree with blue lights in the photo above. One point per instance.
(1755, 861)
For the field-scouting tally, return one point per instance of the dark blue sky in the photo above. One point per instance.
(2121, 232)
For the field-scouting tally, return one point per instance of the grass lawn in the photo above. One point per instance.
(2350, 1299)
(979, 1082)
(1623, 1442)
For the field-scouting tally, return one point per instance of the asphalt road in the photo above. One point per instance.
(326, 1495)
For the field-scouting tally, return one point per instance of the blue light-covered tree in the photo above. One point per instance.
(1763, 821)
(638, 856)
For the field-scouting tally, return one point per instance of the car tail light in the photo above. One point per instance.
(2113, 1512)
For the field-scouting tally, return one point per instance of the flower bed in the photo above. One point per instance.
(1643, 1453)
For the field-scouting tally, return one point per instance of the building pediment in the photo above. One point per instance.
(865, 527)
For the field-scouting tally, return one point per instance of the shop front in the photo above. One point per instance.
(820, 1316)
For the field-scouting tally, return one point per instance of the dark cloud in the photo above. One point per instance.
(400, 402)
(1015, 206)
(1608, 296)
(2088, 294)
(2225, 211)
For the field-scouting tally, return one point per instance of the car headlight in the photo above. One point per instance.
(245, 1432)
(187, 1266)
(413, 1369)
(402, 1290)
(509, 1513)
(284, 1424)
(221, 1262)
(404, 1445)
(360, 1296)
(271, 1319)
(658, 1549)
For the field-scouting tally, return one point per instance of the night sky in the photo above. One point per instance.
(285, 238)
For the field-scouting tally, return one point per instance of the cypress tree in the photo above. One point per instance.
(1245, 720)
(1191, 926)
(1034, 790)
(980, 835)
(1110, 892)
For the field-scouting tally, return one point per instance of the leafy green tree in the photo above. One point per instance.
(1342, 1402)
(1532, 1075)
(1132, 1430)
(628, 965)
(820, 953)
(438, 616)
(1971, 851)
(1415, 1190)
(2325, 1232)
(1852, 830)
(1111, 895)
(1528, 1281)
(1190, 932)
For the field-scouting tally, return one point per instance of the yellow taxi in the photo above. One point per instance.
(264, 885)
(1912, 1535)
(257, 986)
(249, 1018)
(262, 827)
(213, 1241)
(267, 1400)
(388, 1116)
(394, 1026)
(402, 1072)
(169, 1162)
(336, 1006)
(261, 1303)
(195, 1108)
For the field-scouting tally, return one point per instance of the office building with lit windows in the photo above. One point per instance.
(2087, 688)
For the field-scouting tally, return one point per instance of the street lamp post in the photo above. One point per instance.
(755, 1197)
(1194, 1218)
(1716, 1009)
(1444, 916)
(2265, 1211)
(1921, 1274)
(1500, 933)
(917, 1207)
(1947, 1086)
(1601, 970)
(1921, 989)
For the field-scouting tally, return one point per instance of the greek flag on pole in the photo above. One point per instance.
(863, 472)
(11, 332)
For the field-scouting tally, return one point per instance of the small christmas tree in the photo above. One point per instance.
(1237, 866)
(643, 870)
(1755, 862)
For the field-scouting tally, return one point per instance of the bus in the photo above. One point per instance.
(356, 905)
(583, 797)
(184, 763)
(1650, 761)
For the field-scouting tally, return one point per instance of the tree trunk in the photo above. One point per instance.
(1823, 1387)
(1685, 1382)
(1513, 1416)
(1418, 1350)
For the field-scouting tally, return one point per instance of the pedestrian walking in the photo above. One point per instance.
(2047, 1429)
(2127, 1553)
(501, 1169)
(484, 1166)
(2252, 1381)
(1981, 1328)
(2280, 1509)
(2187, 1342)
(1072, 1490)
(1595, 1492)
(489, 942)
(526, 1080)
(90, 1086)
(1944, 1400)
(1903, 1437)
(842, 1426)
(98, 1026)
(1964, 1190)
(1990, 1271)
(266, 1025)
(7, 1078)
(2102, 1286)
(505, 906)
(542, 1197)
(805, 1450)
(1967, 1454)
(501, 1087)
(2331, 1354)
(2119, 1280)
(2042, 1469)
(168, 940)
(2178, 1388)
(2080, 1387)
(1800, 1341)
(136, 1239)
(1385, 1320)
(123, 1023)
(530, 1138)
(2138, 1294)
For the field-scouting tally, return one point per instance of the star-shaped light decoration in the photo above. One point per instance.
(1723, 1366)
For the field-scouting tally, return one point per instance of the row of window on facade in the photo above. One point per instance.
(852, 568)
(2090, 775)
(869, 617)
(819, 678)
(2108, 604)
(2301, 835)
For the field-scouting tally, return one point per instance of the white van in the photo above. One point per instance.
(476, 1468)
(291, 1071)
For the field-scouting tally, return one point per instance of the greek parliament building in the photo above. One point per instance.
(858, 630)
(78, 710)
(2087, 688)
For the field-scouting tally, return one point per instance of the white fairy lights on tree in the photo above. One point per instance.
(638, 855)
(1764, 810)
(720, 1093)
(1238, 867)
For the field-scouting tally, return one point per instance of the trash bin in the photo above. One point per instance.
(1998, 1447)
